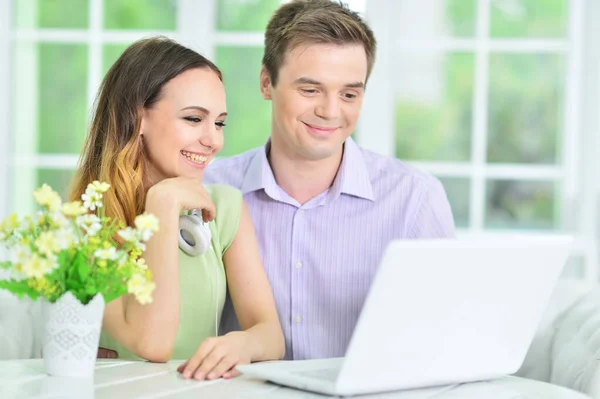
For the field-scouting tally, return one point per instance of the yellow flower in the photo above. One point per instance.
(42, 285)
(47, 197)
(36, 266)
(28, 224)
(109, 253)
(74, 208)
(141, 264)
(66, 237)
(48, 243)
(8, 227)
(134, 254)
(135, 283)
(146, 222)
(128, 234)
(90, 223)
(10, 223)
(141, 288)
(91, 200)
(98, 186)
(21, 253)
(145, 296)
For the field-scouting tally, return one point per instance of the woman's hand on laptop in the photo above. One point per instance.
(217, 357)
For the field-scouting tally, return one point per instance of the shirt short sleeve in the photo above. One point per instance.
(228, 204)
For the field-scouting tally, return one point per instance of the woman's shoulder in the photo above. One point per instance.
(223, 193)
(228, 204)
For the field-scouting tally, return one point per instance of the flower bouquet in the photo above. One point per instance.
(78, 260)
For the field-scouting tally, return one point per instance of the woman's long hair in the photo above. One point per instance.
(114, 151)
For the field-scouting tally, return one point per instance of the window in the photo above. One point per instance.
(488, 95)
(485, 95)
(59, 59)
(238, 52)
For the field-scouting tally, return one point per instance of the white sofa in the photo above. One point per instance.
(20, 327)
(565, 351)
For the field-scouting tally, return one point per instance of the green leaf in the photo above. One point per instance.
(91, 289)
(19, 288)
(6, 265)
(83, 271)
(110, 294)
(83, 297)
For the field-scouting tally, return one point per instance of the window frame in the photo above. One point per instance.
(5, 103)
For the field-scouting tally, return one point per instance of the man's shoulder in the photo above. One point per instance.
(398, 182)
(230, 170)
(395, 171)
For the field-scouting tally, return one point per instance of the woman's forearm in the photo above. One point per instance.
(267, 341)
(155, 324)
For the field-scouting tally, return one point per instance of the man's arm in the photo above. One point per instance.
(434, 215)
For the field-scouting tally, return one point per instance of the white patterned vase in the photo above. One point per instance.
(71, 336)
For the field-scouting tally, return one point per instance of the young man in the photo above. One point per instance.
(324, 209)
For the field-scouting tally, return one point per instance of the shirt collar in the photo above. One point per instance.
(259, 174)
(352, 178)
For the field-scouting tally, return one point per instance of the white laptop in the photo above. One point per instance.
(439, 312)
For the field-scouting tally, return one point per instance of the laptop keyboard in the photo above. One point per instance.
(327, 374)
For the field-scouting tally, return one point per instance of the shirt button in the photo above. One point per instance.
(298, 265)
(298, 319)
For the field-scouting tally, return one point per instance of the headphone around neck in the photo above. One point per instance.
(194, 234)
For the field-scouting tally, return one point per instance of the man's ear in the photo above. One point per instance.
(265, 84)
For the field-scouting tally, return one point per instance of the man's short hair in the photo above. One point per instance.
(301, 22)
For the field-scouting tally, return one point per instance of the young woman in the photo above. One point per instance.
(158, 122)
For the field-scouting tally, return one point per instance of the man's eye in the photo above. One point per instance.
(350, 96)
(309, 91)
(193, 119)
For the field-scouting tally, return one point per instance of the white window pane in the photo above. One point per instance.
(31, 14)
(50, 92)
(528, 18)
(458, 190)
(526, 108)
(434, 105)
(514, 204)
(249, 120)
(140, 14)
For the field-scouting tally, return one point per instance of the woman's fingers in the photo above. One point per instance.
(182, 366)
(208, 364)
(222, 367)
(104, 353)
(232, 373)
(192, 364)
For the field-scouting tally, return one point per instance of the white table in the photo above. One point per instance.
(119, 379)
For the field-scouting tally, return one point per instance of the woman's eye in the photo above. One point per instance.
(220, 124)
(193, 119)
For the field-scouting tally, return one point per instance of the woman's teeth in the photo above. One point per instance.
(195, 157)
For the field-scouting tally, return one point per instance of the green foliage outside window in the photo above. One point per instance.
(525, 93)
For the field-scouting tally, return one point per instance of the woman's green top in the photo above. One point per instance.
(201, 280)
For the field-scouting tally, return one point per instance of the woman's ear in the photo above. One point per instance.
(265, 84)
(142, 123)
